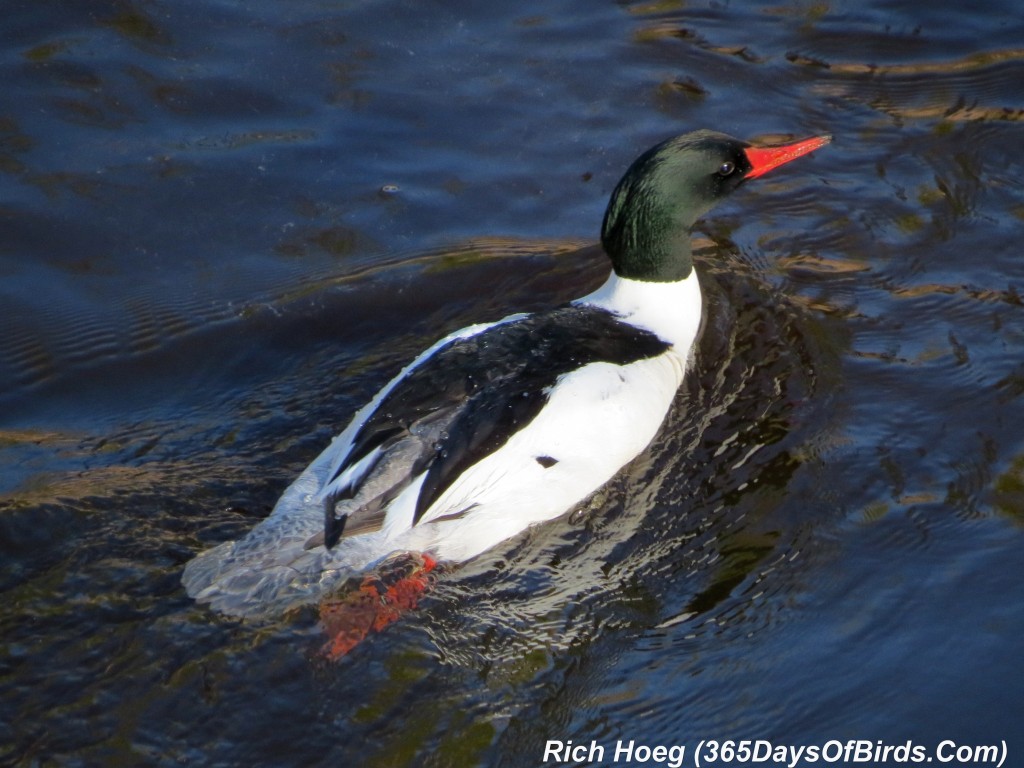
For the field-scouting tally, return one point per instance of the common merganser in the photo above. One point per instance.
(503, 425)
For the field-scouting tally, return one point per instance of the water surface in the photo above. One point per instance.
(222, 227)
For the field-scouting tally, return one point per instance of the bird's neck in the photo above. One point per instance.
(645, 237)
(671, 309)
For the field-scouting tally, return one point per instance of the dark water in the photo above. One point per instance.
(223, 225)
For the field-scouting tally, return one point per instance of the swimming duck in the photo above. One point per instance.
(506, 424)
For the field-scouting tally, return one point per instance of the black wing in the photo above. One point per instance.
(472, 395)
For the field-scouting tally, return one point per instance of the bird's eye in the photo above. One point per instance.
(726, 168)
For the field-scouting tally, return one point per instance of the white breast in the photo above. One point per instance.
(671, 310)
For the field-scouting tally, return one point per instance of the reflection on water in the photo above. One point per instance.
(217, 239)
